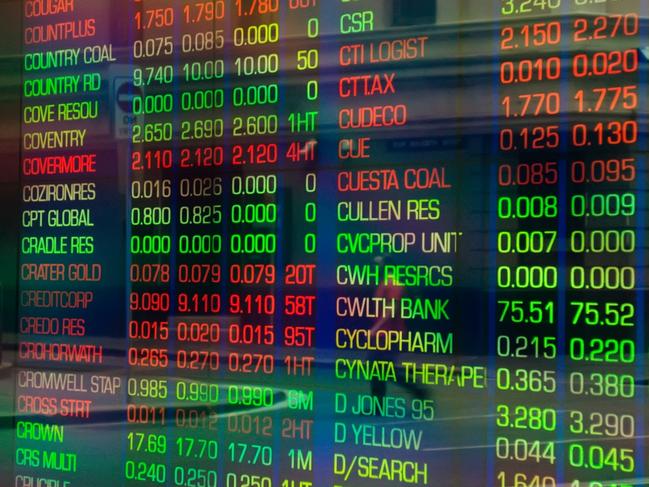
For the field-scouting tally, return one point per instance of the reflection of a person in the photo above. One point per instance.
(390, 289)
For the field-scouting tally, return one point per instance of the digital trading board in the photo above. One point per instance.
(324, 243)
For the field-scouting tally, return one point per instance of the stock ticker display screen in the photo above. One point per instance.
(324, 243)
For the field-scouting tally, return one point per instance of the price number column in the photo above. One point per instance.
(252, 185)
(197, 325)
(602, 279)
(527, 244)
(150, 243)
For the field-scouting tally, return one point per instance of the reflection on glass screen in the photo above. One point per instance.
(324, 243)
